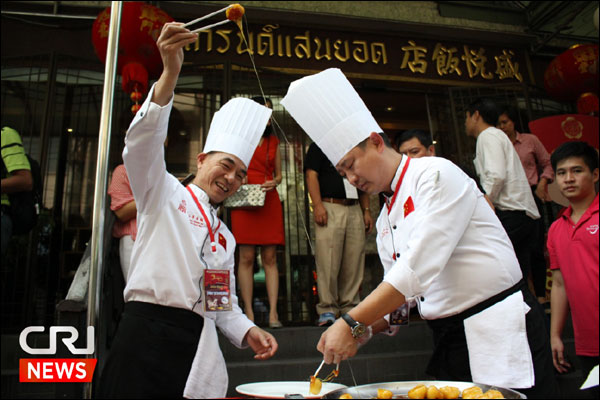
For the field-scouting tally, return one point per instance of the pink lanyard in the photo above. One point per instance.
(397, 189)
(213, 244)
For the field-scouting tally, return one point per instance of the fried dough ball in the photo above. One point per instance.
(434, 393)
(472, 392)
(235, 12)
(346, 396)
(495, 393)
(384, 394)
(491, 394)
(450, 392)
(418, 392)
(315, 385)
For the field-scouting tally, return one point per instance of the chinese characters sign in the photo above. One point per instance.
(411, 57)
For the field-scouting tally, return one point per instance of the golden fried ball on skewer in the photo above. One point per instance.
(235, 12)
(315, 385)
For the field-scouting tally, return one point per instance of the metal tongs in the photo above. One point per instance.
(228, 19)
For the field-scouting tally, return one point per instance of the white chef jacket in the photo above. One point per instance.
(173, 247)
(451, 252)
(501, 173)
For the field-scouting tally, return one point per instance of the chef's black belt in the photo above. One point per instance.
(177, 316)
(437, 324)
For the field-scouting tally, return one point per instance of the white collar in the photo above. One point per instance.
(201, 195)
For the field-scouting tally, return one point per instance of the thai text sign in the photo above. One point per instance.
(273, 46)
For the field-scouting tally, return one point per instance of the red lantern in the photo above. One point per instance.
(558, 129)
(139, 58)
(573, 72)
(587, 104)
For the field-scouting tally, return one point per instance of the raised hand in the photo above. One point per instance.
(173, 38)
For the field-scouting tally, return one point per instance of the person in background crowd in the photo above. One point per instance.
(536, 163)
(264, 169)
(122, 204)
(467, 288)
(573, 249)
(181, 285)
(532, 153)
(342, 216)
(503, 179)
(415, 143)
(16, 177)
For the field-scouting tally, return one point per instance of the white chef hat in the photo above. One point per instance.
(330, 111)
(237, 128)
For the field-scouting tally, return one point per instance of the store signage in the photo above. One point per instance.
(271, 45)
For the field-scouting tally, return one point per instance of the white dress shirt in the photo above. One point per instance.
(501, 173)
(451, 252)
(172, 248)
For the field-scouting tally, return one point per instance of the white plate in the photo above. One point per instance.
(278, 390)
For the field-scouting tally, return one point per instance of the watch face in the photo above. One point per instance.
(358, 330)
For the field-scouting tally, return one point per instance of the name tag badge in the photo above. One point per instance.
(217, 294)
(400, 316)
(351, 192)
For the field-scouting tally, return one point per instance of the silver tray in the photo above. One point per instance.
(400, 389)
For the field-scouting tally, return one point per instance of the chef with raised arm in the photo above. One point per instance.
(182, 285)
(440, 244)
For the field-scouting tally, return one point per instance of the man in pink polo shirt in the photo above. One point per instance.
(573, 249)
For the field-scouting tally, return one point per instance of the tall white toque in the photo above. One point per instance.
(237, 128)
(330, 111)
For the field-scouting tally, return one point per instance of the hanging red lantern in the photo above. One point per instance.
(558, 129)
(587, 104)
(138, 58)
(573, 72)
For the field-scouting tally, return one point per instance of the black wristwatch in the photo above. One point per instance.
(358, 328)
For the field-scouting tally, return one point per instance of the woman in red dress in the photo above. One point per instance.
(261, 226)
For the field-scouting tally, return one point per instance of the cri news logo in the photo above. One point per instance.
(57, 369)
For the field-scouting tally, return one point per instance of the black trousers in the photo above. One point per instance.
(450, 359)
(538, 260)
(152, 352)
(521, 230)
